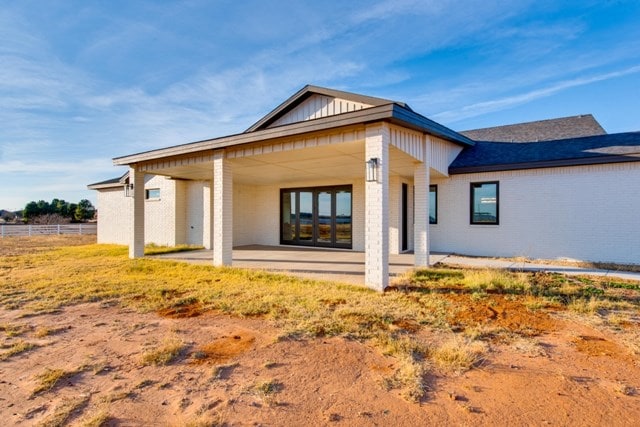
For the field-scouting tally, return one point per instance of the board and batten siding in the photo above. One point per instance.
(318, 106)
(582, 212)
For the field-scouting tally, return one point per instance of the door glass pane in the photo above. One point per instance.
(324, 217)
(288, 215)
(343, 217)
(306, 216)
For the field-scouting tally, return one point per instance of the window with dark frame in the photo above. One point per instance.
(485, 202)
(316, 216)
(433, 204)
(152, 194)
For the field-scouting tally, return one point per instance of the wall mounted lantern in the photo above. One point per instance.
(128, 190)
(373, 164)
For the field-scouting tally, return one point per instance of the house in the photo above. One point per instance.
(328, 168)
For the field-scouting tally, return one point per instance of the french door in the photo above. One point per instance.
(317, 216)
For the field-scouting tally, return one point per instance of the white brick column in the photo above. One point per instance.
(136, 243)
(222, 210)
(421, 209)
(376, 266)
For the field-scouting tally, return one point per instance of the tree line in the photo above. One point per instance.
(58, 211)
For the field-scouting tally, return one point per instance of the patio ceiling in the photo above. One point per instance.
(345, 160)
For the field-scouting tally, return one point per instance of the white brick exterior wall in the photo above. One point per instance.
(583, 212)
(256, 210)
(376, 254)
(114, 216)
(164, 217)
(569, 212)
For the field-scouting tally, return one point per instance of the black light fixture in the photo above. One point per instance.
(372, 169)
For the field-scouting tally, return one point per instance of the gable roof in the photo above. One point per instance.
(385, 111)
(540, 130)
(486, 156)
(308, 91)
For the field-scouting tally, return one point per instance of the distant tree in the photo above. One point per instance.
(84, 210)
(31, 210)
(43, 207)
(8, 216)
(51, 219)
(59, 210)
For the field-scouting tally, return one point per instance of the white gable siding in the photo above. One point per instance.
(317, 106)
(408, 141)
(583, 212)
(443, 153)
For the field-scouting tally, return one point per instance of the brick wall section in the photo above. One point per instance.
(256, 210)
(377, 210)
(421, 225)
(222, 210)
(165, 217)
(136, 244)
(114, 216)
(583, 212)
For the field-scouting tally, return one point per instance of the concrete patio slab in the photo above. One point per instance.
(348, 266)
(322, 264)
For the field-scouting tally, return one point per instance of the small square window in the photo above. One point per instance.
(152, 194)
(485, 203)
(433, 204)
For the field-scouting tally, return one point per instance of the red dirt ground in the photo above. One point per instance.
(581, 375)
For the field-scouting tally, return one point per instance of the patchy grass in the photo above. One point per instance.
(267, 390)
(459, 354)
(472, 307)
(64, 412)
(14, 330)
(168, 351)
(17, 348)
(153, 249)
(100, 418)
(49, 378)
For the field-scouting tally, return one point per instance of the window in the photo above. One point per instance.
(433, 204)
(484, 203)
(152, 194)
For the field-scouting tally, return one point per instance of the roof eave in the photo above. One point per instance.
(394, 113)
(544, 164)
(99, 186)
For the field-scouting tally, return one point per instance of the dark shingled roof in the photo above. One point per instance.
(488, 156)
(541, 130)
(113, 182)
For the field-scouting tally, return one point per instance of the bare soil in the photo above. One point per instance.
(237, 372)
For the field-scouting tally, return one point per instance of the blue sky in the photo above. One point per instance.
(82, 82)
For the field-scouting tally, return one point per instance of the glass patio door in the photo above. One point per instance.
(318, 216)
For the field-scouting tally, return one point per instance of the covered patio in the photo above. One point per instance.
(318, 171)
(321, 264)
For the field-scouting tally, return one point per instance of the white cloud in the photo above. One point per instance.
(511, 101)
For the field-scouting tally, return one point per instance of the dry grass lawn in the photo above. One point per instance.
(94, 338)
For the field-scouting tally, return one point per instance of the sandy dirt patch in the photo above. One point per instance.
(238, 372)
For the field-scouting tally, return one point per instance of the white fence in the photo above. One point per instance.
(7, 230)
